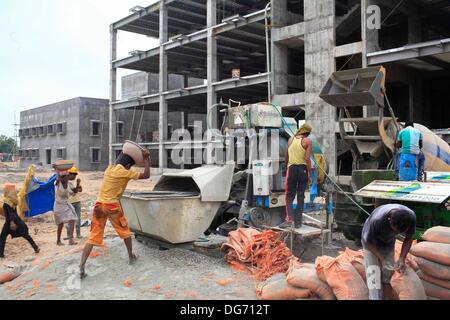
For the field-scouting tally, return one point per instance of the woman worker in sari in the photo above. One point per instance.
(64, 211)
(13, 226)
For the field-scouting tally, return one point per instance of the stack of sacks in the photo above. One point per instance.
(342, 277)
(278, 288)
(346, 275)
(303, 275)
(433, 260)
(300, 282)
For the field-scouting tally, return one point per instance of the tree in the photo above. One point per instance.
(8, 146)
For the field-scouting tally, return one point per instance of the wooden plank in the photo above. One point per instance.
(304, 231)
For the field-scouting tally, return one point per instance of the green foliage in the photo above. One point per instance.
(7, 146)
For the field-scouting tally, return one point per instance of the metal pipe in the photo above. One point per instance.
(269, 80)
(208, 117)
(112, 91)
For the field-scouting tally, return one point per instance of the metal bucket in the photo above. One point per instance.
(357, 87)
(174, 217)
(183, 205)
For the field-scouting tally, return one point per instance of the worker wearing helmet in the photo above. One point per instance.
(299, 175)
(75, 200)
(13, 226)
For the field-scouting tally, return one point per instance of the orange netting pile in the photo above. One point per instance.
(263, 253)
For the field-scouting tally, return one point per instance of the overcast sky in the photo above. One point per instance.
(53, 50)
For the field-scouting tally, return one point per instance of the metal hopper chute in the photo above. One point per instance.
(182, 206)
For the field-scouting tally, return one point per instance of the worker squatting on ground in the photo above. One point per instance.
(13, 226)
(75, 201)
(299, 175)
(64, 211)
(378, 239)
(115, 182)
(410, 159)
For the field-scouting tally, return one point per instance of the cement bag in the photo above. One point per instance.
(356, 258)
(303, 275)
(439, 282)
(277, 288)
(320, 265)
(433, 269)
(8, 277)
(435, 291)
(433, 251)
(437, 234)
(408, 285)
(345, 281)
(409, 258)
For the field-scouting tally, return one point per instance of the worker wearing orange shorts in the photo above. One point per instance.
(108, 207)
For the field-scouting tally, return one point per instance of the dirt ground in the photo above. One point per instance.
(173, 274)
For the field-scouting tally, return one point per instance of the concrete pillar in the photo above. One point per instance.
(279, 57)
(319, 65)
(163, 78)
(370, 40)
(184, 120)
(212, 62)
(112, 94)
(370, 36)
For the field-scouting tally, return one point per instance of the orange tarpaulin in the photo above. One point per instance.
(263, 253)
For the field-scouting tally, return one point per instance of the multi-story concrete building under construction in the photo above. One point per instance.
(248, 50)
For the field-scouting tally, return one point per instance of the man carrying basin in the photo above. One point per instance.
(108, 207)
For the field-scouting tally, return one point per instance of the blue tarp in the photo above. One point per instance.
(42, 197)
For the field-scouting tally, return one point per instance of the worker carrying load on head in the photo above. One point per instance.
(64, 211)
(108, 207)
(75, 201)
(299, 175)
(378, 239)
(13, 226)
(410, 160)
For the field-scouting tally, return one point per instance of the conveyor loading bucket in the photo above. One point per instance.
(353, 88)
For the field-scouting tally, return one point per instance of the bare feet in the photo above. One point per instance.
(72, 243)
(59, 243)
(37, 250)
(83, 274)
(133, 260)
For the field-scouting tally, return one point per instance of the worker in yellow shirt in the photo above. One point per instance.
(108, 207)
(299, 175)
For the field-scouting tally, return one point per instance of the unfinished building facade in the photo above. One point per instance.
(284, 51)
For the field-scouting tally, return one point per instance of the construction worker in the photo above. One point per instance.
(299, 175)
(75, 200)
(63, 210)
(411, 160)
(108, 207)
(378, 239)
(13, 226)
